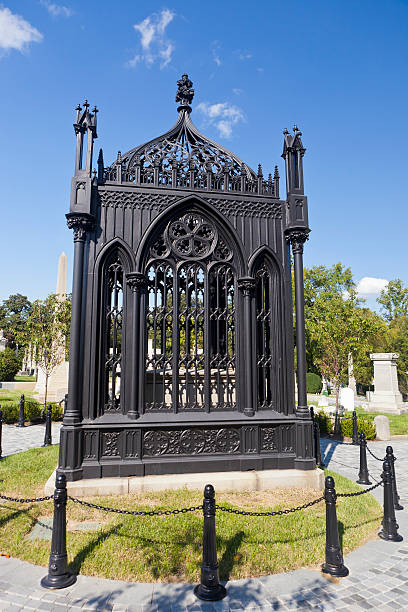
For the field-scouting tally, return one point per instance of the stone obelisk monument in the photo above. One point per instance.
(58, 381)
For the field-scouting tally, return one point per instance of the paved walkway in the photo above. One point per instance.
(18, 439)
(378, 572)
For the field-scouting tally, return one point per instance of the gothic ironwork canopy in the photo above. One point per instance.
(181, 338)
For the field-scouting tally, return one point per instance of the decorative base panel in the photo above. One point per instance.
(101, 451)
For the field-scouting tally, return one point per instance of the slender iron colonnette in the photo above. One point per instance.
(209, 588)
(47, 435)
(318, 453)
(337, 423)
(21, 417)
(334, 557)
(1, 431)
(363, 476)
(312, 414)
(58, 576)
(389, 529)
(355, 428)
(396, 498)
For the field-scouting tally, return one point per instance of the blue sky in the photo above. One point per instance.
(336, 68)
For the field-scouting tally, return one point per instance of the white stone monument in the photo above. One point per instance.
(386, 396)
(347, 398)
(58, 381)
(3, 341)
(382, 427)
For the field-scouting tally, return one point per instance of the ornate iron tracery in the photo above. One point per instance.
(268, 336)
(190, 363)
(112, 332)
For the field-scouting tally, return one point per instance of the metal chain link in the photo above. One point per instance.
(272, 513)
(360, 492)
(372, 454)
(136, 512)
(26, 501)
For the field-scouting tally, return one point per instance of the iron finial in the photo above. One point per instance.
(295, 128)
(86, 104)
(185, 93)
(95, 110)
(285, 131)
(276, 173)
(78, 108)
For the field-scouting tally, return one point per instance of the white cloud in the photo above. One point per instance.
(57, 10)
(155, 46)
(237, 91)
(222, 115)
(244, 56)
(260, 70)
(215, 48)
(371, 286)
(16, 32)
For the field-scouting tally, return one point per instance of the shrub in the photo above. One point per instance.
(313, 383)
(9, 364)
(364, 426)
(325, 423)
(32, 411)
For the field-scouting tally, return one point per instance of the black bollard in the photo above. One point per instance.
(21, 417)
(58, 576)
(312, 414)
(355, 428)
(337, 423)
(47, 435)
(1, 432)
(209, 588)
(334, 557)
(389, 529)
(318, 454)
(363, 476)
(396, 498)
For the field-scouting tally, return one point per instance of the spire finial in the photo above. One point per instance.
(185, 93)
(285, 131)
(86, 104)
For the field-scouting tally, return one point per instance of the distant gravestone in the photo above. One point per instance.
(323, 400)
(347, 398)
(382, 427)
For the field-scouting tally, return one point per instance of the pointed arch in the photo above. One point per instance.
(191, 258)
(270, 330)
(199, 205)
(111, 323)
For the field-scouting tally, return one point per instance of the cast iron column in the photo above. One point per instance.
(137, 282)
(81, 223)
(247, 286)
(304, 426)
(297, 238)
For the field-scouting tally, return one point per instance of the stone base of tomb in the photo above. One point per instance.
(252, 480)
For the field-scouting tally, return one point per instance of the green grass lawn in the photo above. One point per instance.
(167, 549)
(25, 378)
(13, 397)
(398, 422)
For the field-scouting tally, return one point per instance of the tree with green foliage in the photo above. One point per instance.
(394, 300)
(322, 284)
(46, 332)
(14, 313)
(10, 364)
(338, 326)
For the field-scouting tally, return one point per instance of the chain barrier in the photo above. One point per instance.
(191, 509)
(360, 492)
(136, 512)
(272, 513)
(372, 454)
(26, 501)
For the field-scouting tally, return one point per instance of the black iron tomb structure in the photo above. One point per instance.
(181, 351)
